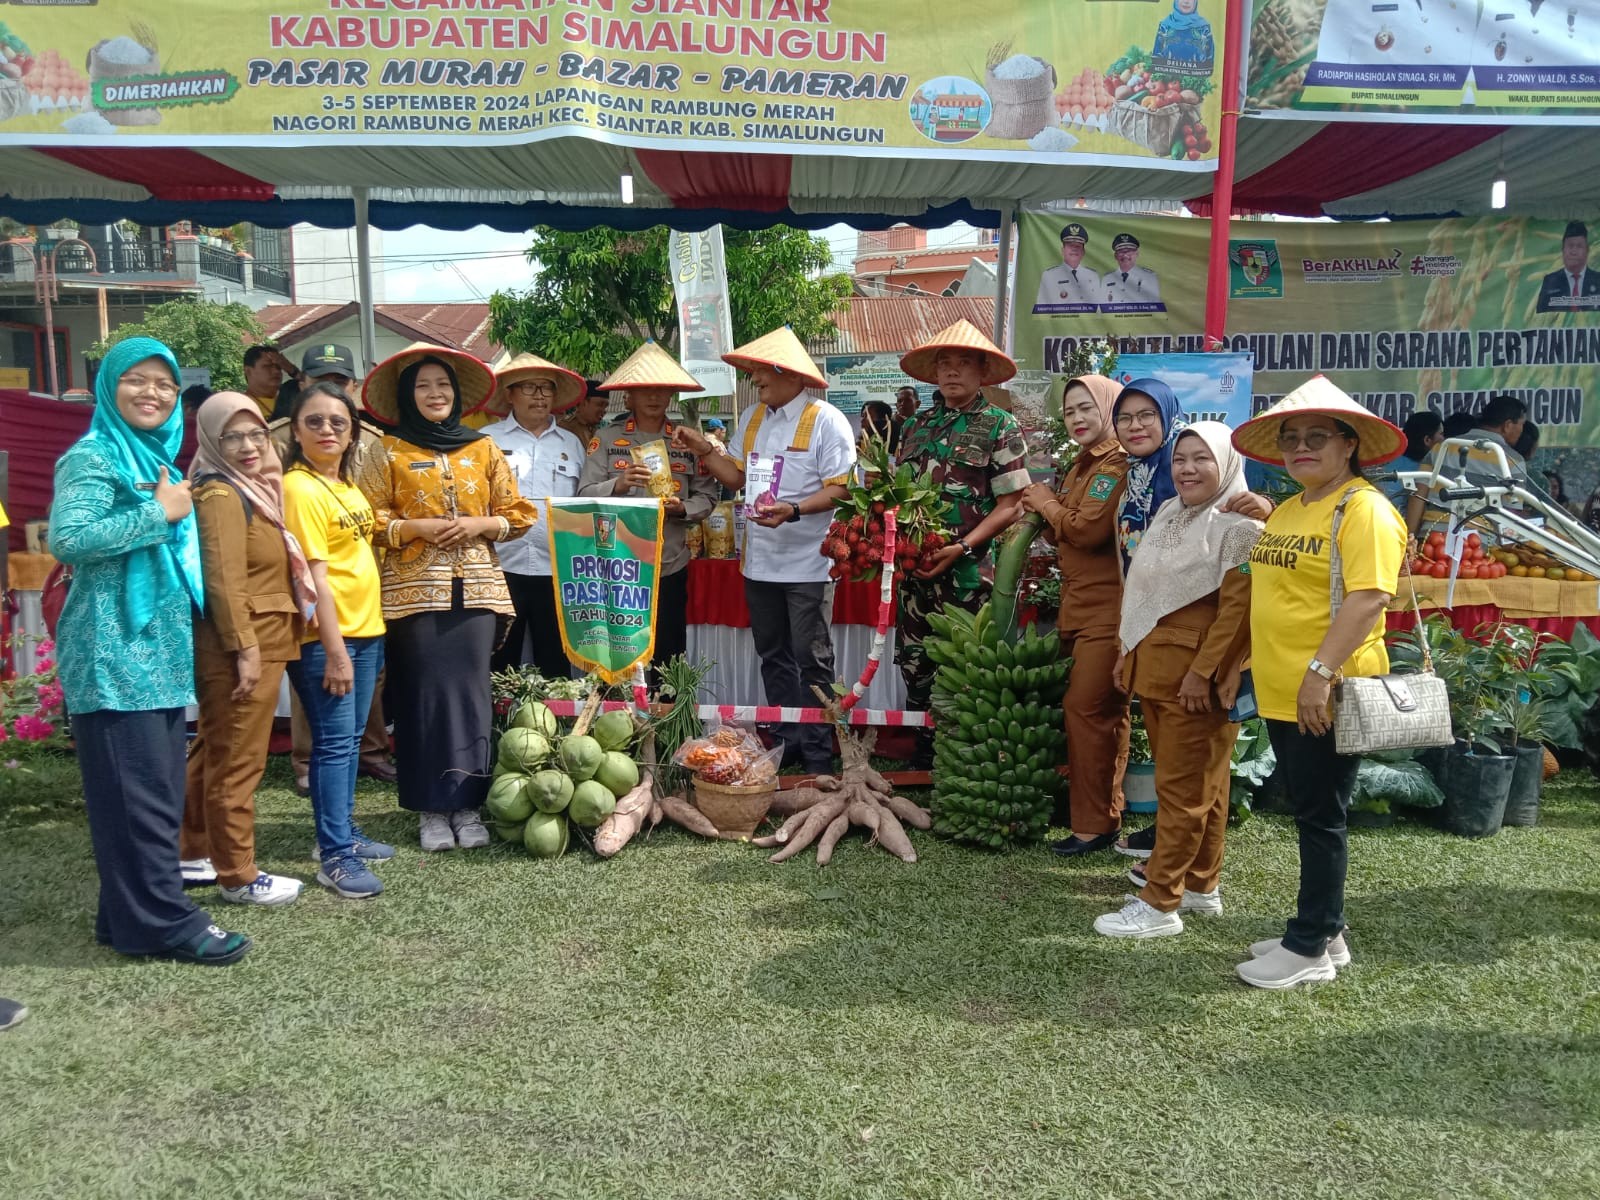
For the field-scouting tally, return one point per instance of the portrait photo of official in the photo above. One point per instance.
(1574, 286)
(1071, 282)
(1129, 283)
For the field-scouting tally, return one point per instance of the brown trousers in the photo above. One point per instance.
(226, 762)
(374, 739)
(1193, 753)
(1096, 718)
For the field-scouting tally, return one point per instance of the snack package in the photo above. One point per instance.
(740, 520)
(694, 537)
(762, 475)
(730, 755)
(654, 456)
(720, 531)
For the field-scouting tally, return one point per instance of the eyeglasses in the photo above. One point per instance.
(316, 422)
(164, 388)
(1145, 416)
(1314, 439)
(232, 441)
(535, 388)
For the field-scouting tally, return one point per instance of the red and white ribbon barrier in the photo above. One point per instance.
(880, 635)
(771, 714)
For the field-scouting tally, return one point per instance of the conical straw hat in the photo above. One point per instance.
(780, 349)
(474, 376)
(963, 335)
(1257, 438)
(651, 366)
(570, 386)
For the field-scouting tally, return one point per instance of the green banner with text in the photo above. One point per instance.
(606, 559)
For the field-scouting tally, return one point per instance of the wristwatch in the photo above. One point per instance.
(796, 516)
(1317, 667)
(966, 547)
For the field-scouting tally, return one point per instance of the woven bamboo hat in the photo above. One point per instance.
(378, 394)
(651, 366)
(1257, 438)
(963, 335)
(570, 386)
(780, 349)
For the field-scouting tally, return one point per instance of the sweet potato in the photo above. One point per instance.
(632, 811)
(911, 814)
(681, 812)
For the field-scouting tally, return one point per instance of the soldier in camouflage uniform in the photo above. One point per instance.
(979, 460)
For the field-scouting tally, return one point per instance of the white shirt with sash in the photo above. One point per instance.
(818, 448)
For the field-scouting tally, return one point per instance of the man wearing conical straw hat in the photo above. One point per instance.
(633, 457)
(979, 461)
(792, 454)
(546, 461)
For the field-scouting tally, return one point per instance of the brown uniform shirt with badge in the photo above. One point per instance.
(1084, 518)
(977, 454)
(245, 561)
(610, 457)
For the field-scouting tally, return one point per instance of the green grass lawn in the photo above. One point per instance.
(688, 1021)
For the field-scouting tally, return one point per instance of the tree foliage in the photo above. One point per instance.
(200, 333)
(598, 293)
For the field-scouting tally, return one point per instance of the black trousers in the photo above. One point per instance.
(534, 598)
(672, 619)
(443, 707)
(791, 634)
(133, 775)
(1319, 781)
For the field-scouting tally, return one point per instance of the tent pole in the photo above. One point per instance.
(369, 332)
(1002, 274)
(1222, 190)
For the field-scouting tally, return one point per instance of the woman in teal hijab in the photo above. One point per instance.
(123, 521)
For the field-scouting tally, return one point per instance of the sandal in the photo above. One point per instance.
(1136, 875)
(1138, 845)
(213, 948)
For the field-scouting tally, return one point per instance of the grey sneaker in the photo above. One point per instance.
(1280, 968)
(11, 1013)
(1206, 903)
(1136, 919)
(436, 832)
(1338, 949)
(349, 877)
(471, 833)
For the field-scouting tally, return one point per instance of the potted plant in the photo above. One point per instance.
(1253, 764)
(1385, 781)
(1139, 780)
(1524, 726)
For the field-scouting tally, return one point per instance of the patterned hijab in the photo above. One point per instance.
(264, 489)
(1150, 477)
(137, 456)
(1188, 550)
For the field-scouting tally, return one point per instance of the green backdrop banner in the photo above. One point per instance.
(606, 558)
(1402, 315)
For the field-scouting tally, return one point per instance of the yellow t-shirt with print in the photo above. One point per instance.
(1290, 569)
(332, 521)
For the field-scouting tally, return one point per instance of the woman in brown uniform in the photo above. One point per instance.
(258, 596)
(1084, 517)
(1185, 634)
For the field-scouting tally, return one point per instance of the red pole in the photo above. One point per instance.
(1222, 192)
(46, 265)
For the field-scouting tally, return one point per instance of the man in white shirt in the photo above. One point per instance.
(792, 454)
(1071, 283)
(1129, 283)
(547, 461)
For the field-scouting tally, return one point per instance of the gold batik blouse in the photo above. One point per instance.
(406, 483)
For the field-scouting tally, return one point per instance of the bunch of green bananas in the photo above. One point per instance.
(997, 736)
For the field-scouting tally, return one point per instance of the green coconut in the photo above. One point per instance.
(549, 791)
(580, 756)
(592, 802)
(509, 800)
(508, 831)
(545, 835)
(613, 730)
(523, 750)
(618, 772)
(537, 717)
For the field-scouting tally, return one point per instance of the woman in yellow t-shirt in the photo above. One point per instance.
(1323, 439)
(343, 654)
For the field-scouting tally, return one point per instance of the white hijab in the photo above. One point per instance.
(1188, 551)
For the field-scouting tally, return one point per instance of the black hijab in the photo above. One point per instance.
(441, 437)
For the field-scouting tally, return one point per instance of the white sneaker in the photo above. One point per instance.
(436, 833)
(197, 872)
(471, 833)
(1136, 919)
(1207, 903)
(1280, 968)
(267, 889)
(1338, 949)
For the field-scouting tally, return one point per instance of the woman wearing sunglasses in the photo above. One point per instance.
(1300, 646)
(259, 594)
(443, 495)
(343, 652)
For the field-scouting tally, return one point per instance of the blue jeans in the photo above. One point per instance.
(336, 725)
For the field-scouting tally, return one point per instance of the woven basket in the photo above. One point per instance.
(102, 68)
(1022, 107)
(1153, 128)
(735, 809)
